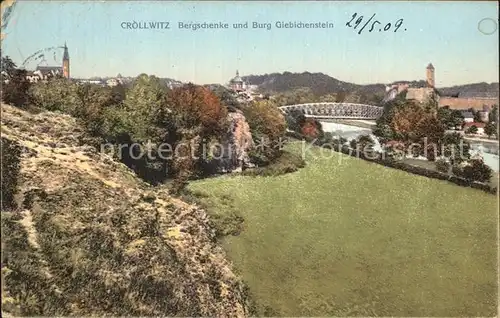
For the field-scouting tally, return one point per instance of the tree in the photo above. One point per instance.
(472, 129)
(341, 96)
(490, 129)
(493, 115)
(296, 96)
(383, 129)
(55, 94)
(91, 103)
(198, 118)
(227, 97)
(143, 105)
(454, 148)
(451, 118)
(295, 120)
(197, 111)
(118, 94)
(477, 116)
(332, 98)
(311, 128)
(15, 92)
(268, 125)
(419, 127)
(412, 124)
(8, 66)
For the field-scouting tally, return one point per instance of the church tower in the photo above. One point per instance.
(430, 75)
(66, 62)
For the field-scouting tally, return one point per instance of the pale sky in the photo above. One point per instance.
(444, 33)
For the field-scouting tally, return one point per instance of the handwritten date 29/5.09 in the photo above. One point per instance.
(374, 25)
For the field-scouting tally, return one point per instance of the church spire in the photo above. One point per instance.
(66, 61)
(66, 54)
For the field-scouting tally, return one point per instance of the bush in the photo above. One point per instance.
(442, 165)
(477, 170)
(55, 94)
(457, 178)
(472, 129)
(295, 120)
(15, 92)
(286, 163)
(10, 158)
(457, 170)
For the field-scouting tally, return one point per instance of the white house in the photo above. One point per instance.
(112, 82)
(468, 116)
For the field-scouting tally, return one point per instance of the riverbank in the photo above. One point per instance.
(348, 131)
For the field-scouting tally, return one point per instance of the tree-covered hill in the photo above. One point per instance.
(322, 84)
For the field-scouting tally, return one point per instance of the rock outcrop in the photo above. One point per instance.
(90, 238)
(238, 143)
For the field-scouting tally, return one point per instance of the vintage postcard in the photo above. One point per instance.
(250, 159)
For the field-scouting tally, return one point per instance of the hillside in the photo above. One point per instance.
(89, 238)
(319, 83)
(477, 89)
(322, 84)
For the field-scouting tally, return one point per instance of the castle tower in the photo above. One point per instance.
(66, 62)
(430, 75)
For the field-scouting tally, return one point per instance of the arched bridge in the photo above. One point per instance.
(336, 110)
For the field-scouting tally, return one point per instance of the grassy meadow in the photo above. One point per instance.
(345, 237)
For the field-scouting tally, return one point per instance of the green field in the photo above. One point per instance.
(348, 237)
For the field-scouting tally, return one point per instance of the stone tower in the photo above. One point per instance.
(430, 75)
(66, 62)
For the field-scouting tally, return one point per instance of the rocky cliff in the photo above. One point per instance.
(236, 144)
(89, 238)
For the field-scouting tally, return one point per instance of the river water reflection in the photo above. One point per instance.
(488, 152)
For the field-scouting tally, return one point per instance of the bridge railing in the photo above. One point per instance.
(336, 110)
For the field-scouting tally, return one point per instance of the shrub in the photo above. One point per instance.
(287, 162)
(472, 129)
(353, 144)
(55, 94)
(365, 143)
(457, 170)
(312, 129)
(15, 92)
(442, 165)
(295, 120)
(10, 157)
(455, 148)
(477, 170)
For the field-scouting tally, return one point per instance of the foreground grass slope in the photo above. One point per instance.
(346, 237)
(90, 239)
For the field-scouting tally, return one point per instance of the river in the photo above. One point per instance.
(488, 152)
